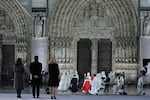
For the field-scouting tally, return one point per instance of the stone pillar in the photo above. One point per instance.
(94, 50)
(0, 55)
(39, 41)
(74, 53)
(44, 26)
(39, 47)
(142, 25)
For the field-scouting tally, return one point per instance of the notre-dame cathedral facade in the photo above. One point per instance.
(83, 35)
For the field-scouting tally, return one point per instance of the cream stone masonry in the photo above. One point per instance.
(68, 21)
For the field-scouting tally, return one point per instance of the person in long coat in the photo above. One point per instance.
(18, 70)
(35, 70)
(53, 82)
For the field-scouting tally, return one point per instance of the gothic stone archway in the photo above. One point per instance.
(13, 32)
(114, 19)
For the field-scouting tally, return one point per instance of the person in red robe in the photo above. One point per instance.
(87, 84)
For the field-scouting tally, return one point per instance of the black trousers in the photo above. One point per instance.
(18, 92)
(35, 87)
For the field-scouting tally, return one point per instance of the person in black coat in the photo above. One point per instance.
(35, 70)
(74, 84)
(53, 81)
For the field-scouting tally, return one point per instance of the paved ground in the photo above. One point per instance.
(12, 96)
(8, 93)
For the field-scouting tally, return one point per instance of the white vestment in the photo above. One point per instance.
(63, 84)
(94, 87)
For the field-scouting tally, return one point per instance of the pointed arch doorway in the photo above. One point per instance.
(8, 59)
(104, 55)
(84, 56)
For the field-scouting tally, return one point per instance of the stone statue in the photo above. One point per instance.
(39, 24)
(147, 25)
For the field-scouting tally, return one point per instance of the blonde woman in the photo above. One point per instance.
(53, 82)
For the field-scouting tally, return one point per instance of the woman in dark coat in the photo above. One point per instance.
(53, 77)
(18, 70)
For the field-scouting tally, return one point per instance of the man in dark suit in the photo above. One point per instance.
(35, 70)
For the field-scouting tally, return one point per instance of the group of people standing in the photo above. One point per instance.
(35, 70)
(69, 80)
(93, 84)
(99, 83)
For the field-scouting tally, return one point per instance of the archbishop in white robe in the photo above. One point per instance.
(94, 86)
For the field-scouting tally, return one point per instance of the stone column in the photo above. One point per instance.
(74, 53)
(44, 26)
(39, 47)
(94, 50)
(0, 55)
(142, 25)
(39, 43)
(33, 27)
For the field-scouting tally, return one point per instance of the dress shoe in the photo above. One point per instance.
(54, 97)
(18, 96)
